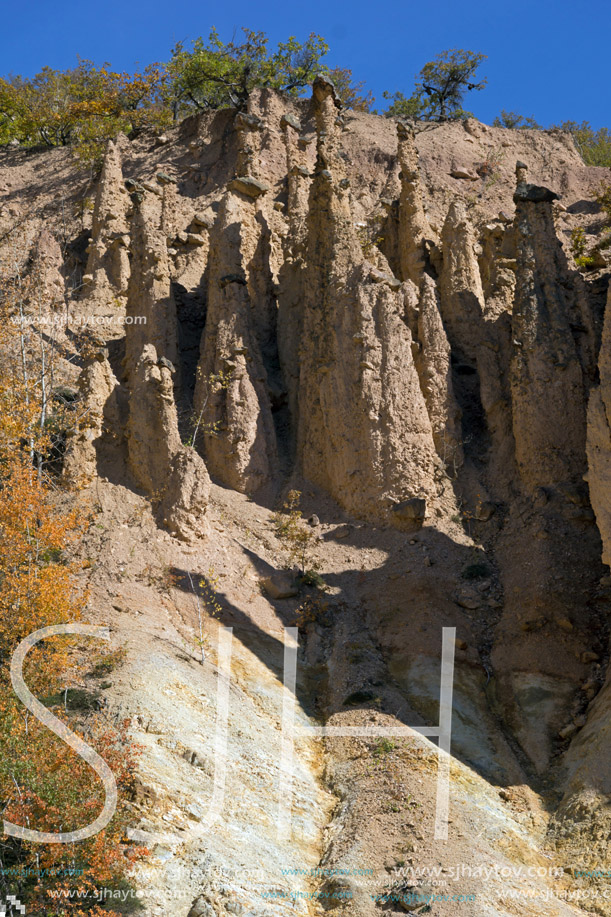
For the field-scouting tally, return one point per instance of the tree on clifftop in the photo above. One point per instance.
(81, 107)
(218, 75)
(352, 93)
(440, 89)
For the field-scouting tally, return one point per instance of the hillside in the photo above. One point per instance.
(309, 298)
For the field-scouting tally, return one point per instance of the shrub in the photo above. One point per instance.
(603, 199)
(351, 92)
(298, 540)
(515, 121)
(594, 145)
(578, 249)
(402, 107)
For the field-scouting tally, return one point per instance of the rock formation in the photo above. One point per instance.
(172, 474)
(549, 588)
(545, 368)
(98, 414)
(231, 406)
(291, 279)
(433, 362)
(152, 432)
(363, 430)
(414, 229)
(460, 285)
(185, 499)
(151, 309)
(108, 267)
(399, 348)
(47, 269)
(599, 441)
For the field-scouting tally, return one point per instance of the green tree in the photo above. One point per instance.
(351, 92)
(440, 88)
(215, 74)
(444, 81)
(82, 107)
(516, 121)
(594, 145)
(402, 107)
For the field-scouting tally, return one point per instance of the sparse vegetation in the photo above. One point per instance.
(489, 169)
(312, 609)
(108, 662)
(594, 145)
(352, 93)
(579, 248)
(603, 199)
(370, 237)
(298, 541)
(383, 747)
(215, 382)
(516, 121)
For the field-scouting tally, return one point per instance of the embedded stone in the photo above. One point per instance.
(412, 510)
(290, 121)
(537, 194)
(164, 179)
(251, 187)
(279, 586)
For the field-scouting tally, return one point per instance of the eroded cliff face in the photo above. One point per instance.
(301, 296)
(108, 268)
(363, 432)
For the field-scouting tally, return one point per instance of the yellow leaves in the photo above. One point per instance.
(83, 107)
(42, 784)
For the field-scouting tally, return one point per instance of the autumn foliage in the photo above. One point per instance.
(82, 107)
(43, 784)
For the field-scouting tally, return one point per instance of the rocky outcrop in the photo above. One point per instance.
(363, 430)
(545, 368)
(185, 500)
(414, 229)
(581, 826)
(291, 274)
(248, 129)
(298, 179)
(151, 309)
(47, 270)
(599, 441)
(460, 284)
(433, 362)
(152, 433)
(416, 364)
(98, 415)
(172, 474)
(108, 267)
(549, 550)
(231, 406)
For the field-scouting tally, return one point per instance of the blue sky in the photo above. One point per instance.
(546, 58)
